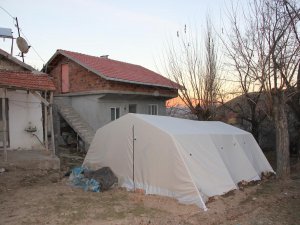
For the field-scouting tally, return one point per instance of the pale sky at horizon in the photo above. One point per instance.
(130, 31)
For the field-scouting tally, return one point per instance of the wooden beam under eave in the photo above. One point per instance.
(46, 123)
(38, 95)
(4, 123)
(51, 123)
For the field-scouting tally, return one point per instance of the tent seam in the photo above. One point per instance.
(197, 190)
(218, 151)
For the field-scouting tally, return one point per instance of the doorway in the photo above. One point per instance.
(132, 108)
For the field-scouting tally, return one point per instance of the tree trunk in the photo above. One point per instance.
(255, 129)
(282, 136)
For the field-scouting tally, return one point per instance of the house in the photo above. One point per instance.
(25, 105)
(257, 120)
(92, 91)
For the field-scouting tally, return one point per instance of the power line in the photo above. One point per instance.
(14, 18)
(7, 12)
(32, 46)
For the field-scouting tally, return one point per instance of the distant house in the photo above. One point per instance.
(237, 112)
(92, 91)
(25, 96)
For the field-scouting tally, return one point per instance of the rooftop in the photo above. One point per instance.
(26, 80)
(114, 70)
(15, 60)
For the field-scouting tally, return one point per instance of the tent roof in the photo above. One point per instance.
(173, 125)
(116, 70)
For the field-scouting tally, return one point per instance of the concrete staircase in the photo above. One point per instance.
(82, 128)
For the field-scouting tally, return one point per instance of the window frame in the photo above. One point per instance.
(116, 113)
(153, 109)
(135, 107)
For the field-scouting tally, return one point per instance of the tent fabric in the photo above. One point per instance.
(184, 159)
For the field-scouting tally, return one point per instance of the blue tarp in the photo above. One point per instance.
(77, 179)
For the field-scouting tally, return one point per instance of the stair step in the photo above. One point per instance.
(80, 126)
(68, 112)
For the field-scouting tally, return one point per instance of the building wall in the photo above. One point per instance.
(24, 109)
(6, 64)
(81, 80)
(96, 111)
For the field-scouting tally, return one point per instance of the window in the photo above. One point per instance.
(152, 109)
(132, 108)
(114, 113)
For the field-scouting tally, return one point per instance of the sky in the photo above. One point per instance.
(130, 31)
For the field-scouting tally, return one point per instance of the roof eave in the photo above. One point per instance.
(15, 60)
(167, 96)
(141, 83)
(45, 68)
(25, 88)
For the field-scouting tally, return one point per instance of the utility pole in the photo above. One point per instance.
(18, 28)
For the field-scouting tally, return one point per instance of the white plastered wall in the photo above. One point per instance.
(24, 109)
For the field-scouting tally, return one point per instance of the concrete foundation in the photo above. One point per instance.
(29, 160)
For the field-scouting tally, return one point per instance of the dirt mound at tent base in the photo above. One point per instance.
(242, 185)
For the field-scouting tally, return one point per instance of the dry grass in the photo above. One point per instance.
(36, 197)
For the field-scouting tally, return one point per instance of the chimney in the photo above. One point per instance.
(104, 56)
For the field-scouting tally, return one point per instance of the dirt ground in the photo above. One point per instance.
(38, 197)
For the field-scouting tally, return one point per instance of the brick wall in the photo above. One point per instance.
(83, 80)
(6, 64)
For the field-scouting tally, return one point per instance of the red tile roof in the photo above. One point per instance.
(118, 71)
(26, 80)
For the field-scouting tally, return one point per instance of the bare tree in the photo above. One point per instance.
(195, 72)
(294, 101)
(243, 54)
(265, 51)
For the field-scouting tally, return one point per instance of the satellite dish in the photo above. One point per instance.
(22, 45)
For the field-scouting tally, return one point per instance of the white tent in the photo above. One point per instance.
(185, 159)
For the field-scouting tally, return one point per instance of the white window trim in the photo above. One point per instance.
(151, 111)
(115, 109)
(133, 104)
